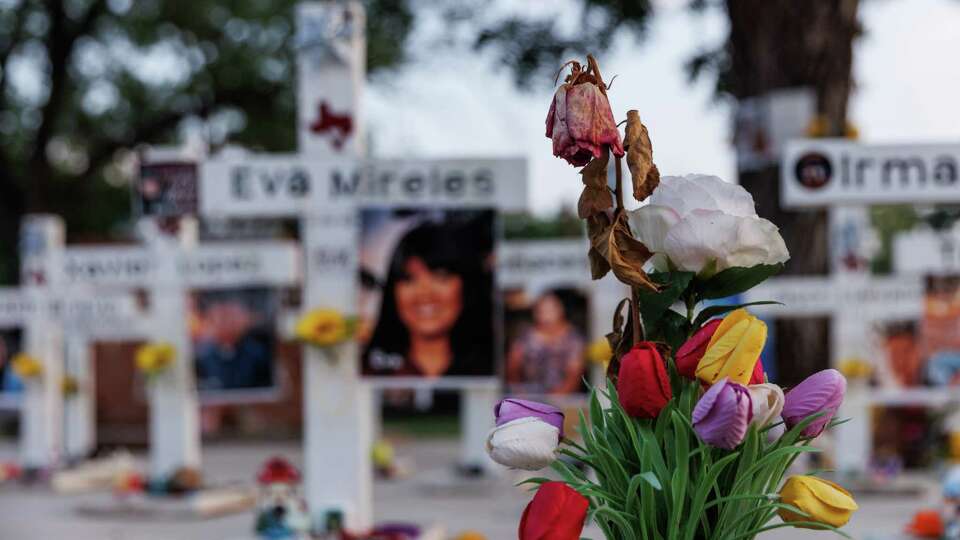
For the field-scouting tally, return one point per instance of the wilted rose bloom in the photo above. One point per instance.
(581, 123)
(822, 391)
(767, 402)
(700, 222)
(823, 501)
(643, 386)
(723, 414)
(527, 435)
(557, 512)
(734, 349)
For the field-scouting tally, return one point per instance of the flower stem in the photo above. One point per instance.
(618, 167)
(638, 332)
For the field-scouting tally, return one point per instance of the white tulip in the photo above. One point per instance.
(525, 443)
(697, 221)
(767, 402)
(777, 431)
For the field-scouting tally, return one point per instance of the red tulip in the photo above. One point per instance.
(643, 385)
(557, 512)
(690, 353)
(580, 121)
(758, 376)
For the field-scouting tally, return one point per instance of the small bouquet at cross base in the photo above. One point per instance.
(152, 359)
(687, 439)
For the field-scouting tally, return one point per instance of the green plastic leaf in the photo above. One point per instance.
(736, 280)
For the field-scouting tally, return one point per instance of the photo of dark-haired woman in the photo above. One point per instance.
(427, 302)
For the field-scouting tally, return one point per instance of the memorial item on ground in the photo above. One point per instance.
(687, 439)
(281, 510)
(427, 301)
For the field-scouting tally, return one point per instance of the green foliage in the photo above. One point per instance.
(656, 480)
(735, 280)
(888, 220)
(525, 226)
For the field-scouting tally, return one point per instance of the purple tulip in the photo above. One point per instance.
(723, 414)
(822, 391)
(510, 409)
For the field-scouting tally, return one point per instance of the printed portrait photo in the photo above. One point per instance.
(546, 339)
(427, 304)
(234, 339)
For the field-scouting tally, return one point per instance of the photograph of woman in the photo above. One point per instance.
(546, 342)
(427, 303)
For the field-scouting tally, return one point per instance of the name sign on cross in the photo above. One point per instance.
(88, 312)
(825, 172)
(927, 252)
(206, 266)
(274, 186)
(875, 298)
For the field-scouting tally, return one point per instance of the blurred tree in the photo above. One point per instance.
(82, 82)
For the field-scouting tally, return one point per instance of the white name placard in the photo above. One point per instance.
(278, 185)
(927, 252)
(824, 172)
(88, 312)
(874, 298)
(207, 266)
(543, 261)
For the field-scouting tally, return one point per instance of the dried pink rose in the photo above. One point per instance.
(580, 121)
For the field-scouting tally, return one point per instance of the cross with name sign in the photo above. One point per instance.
(325, 186)
(854, 303)
(78, 316)
(167, 268)
(846, 177)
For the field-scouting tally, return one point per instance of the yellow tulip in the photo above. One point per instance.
(323, 327)
(824, 501)
(599, 352)
(153, 358)
(734, 349)
(26, 366)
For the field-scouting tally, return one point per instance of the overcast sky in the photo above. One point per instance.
(908, 83)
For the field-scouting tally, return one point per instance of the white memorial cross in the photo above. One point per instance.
(323, 186)
(845, 177)
(854, 304)
(168, 268)
(76, 317)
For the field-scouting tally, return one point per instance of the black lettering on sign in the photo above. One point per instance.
(240, 182)
(904, 168)
(484, 182)
(945, 171)
(343, 184)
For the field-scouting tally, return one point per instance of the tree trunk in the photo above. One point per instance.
(778, 44)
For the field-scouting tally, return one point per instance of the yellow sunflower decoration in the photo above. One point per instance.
(325, 327)
(154, 358)
(27, 367)
(599, 352)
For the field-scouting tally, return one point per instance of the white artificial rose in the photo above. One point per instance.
(700, 222)
(767, 400)
(525, 443)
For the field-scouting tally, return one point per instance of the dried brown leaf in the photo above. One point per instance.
(643, 172)
(597, 225)
(596, 196)
(625, 254)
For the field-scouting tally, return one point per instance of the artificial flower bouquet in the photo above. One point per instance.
(687, 439)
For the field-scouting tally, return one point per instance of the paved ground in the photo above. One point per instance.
(428, 497)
